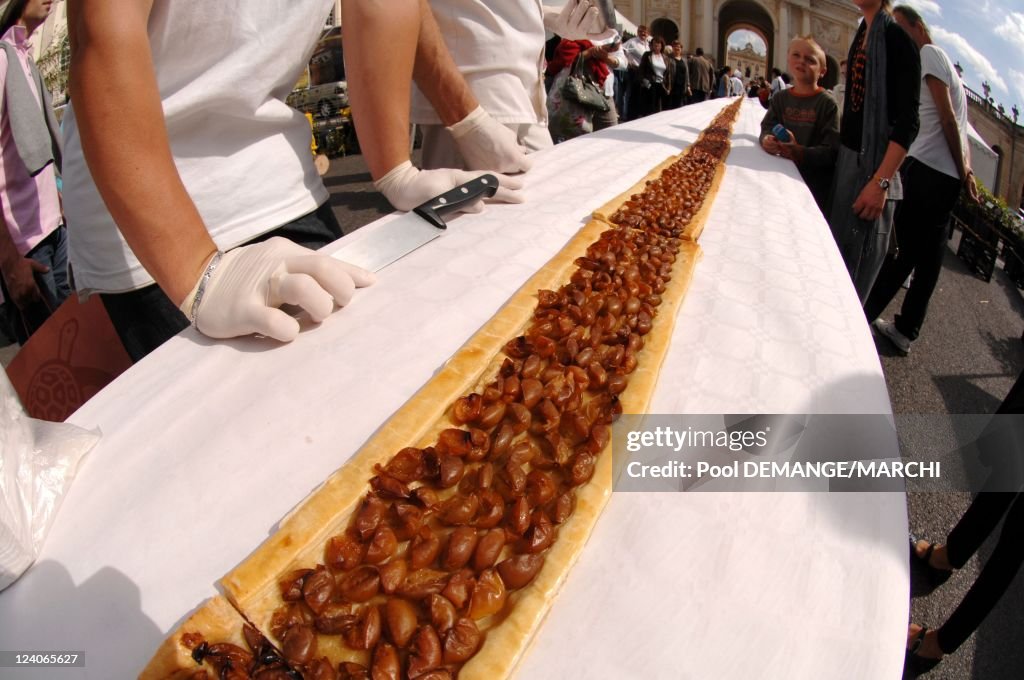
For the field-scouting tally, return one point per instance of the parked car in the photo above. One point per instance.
(323, 101)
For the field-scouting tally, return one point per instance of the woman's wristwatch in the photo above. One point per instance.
(884, 183)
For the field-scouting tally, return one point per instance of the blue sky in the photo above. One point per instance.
(985, 36)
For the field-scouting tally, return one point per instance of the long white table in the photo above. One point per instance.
(207, 445)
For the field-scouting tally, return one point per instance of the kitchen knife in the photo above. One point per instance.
(398, 238)
(607, 8)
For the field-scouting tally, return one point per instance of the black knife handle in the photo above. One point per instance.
(483, 186)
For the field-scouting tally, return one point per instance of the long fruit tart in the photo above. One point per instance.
(485, 486)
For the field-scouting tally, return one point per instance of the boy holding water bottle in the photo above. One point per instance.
(802, 122)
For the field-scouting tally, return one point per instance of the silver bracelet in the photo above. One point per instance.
(210, 268)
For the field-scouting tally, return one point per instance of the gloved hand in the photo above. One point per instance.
(486, 144)
(578, 20)
(407, 187)
(249, 283)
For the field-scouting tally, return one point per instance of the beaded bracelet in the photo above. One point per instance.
(201, 289)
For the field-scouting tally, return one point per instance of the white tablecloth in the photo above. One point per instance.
(206, 445)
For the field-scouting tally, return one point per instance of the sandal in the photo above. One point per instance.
(915, 663)
(933, 576)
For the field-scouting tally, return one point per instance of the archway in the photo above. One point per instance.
(831, 77)
(748, 14)
(747, 50)
(665, 28)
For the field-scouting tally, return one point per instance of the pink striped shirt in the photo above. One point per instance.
(31, 207)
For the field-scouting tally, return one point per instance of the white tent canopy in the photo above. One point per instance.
(625, 25)
(984, 161)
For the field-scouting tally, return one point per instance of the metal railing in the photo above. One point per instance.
(989, 105)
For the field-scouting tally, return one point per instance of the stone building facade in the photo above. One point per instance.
(707, 24)
(1006, 138)
(52, 51)
(750, 63)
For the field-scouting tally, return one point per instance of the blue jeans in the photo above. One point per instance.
(862, 243)
(146, 318)
(54, 286)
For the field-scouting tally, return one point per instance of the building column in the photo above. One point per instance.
(781, 37)
(807, 21)
(685, 25)
(707, 40)
(639, 11)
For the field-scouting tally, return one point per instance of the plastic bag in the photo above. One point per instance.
(38, 460)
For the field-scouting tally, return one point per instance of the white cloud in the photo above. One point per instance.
(925, 7)
(1012, 30)
(739, 39)
(983, 68)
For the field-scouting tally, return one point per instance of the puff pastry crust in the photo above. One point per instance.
(252, 589)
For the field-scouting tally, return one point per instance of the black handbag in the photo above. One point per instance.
(581, 89)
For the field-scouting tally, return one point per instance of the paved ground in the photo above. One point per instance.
(965, 361)
(353, 197)
(967, 358)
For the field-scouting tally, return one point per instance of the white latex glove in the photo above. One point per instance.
(249, 283)
(578, 20)
(406, 186)
(486, 144)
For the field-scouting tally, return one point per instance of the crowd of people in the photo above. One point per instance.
(887, 178)
(638, 77)
(885, 155)
(226, 261)
(152, 147)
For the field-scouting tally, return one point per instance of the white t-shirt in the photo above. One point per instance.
(930, 146)
(620, 64)
(778, 85)
(635, 48)
(839, 94)
(498, 46)
(737, 87)
(223, 70)
(658, 65)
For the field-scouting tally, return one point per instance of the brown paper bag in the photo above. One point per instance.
(74, 355)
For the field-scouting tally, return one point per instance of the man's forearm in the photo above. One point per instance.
(437, 75)
(891, 162)
(952, 134)
(124, 139)
(947, 120)
(380, 46)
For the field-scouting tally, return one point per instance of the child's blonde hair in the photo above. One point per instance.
(809, 39)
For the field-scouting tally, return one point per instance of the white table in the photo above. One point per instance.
(206, 445)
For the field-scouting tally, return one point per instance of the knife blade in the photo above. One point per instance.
(607, 8)
(398, 238)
